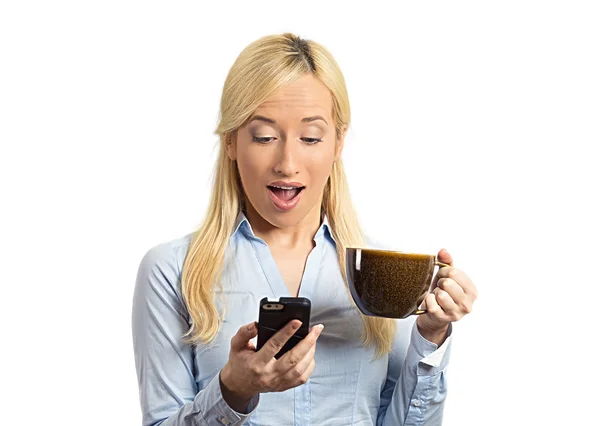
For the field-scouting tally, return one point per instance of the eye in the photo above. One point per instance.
(259, 139)
(312, 141)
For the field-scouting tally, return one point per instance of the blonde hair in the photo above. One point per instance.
(263, 67)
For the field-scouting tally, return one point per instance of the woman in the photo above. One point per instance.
(278, 223)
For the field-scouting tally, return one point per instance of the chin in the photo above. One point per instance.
(283, 219)
(279, 218)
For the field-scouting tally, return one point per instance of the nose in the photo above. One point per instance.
(287, 162)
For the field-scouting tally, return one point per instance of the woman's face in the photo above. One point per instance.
(285, 152)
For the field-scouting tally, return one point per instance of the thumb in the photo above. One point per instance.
(242, 338)
(445, 257)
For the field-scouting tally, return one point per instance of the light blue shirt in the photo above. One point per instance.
(179, 384)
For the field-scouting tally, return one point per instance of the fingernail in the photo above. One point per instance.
(320, 327)
(250, 327)
(296, 325)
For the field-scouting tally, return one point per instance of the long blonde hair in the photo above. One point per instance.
(263, 67)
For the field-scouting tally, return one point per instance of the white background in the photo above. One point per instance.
(474, 127)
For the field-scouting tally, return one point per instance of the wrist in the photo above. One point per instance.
(433, 333)
(235, 398)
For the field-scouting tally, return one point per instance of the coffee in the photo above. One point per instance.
(389, 283)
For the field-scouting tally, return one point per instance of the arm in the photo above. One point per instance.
(169, 394)
(416, 388)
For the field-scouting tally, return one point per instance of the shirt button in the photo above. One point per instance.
(416, 402)
(224, 420)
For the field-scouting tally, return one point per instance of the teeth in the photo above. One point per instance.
(285, 187)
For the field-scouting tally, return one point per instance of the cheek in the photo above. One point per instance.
(248, 173)
(251, 167)
(320, 168)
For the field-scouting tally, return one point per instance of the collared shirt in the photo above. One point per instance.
(179, 383)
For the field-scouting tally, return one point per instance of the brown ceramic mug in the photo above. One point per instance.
(387, 283)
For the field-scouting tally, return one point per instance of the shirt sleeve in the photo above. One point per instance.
(416, 387)
(169, 394)
(415, 390)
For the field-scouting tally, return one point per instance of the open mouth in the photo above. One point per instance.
(285, 193)
(285, 197)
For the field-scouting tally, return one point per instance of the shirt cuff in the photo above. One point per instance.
(431, 358)
(219, 412)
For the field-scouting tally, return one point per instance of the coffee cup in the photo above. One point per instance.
(391, 284)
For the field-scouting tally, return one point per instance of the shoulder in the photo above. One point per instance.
(160, 267)
(168, 253)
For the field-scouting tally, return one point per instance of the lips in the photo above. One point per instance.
(285, 195)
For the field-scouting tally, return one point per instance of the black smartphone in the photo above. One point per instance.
(273, 316)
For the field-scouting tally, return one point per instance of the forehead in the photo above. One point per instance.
(306, 96)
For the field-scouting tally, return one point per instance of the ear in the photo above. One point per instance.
(230, 142)
(339, 146)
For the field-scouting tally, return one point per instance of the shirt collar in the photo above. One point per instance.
(242, 225)
(326, 228)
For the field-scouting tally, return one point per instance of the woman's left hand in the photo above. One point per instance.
(451, 299)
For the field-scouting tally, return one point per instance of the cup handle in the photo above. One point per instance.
(424, 311)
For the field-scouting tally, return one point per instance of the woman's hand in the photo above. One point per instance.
(451, 300)
(249, 372)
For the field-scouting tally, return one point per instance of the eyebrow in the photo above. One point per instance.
(271, 121)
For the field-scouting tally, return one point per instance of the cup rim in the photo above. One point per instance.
(389, 251)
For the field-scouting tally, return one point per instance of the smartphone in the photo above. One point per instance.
(273, 316)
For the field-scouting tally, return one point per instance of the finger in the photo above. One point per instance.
(276, 342)
(434, 309)
(300, 379)
(297, 353)
(455, 291)
(295, 373)
(242, 338)
(445, 257)
(461, 279)
(445, 302)
(307, 373)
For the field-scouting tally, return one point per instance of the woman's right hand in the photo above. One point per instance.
(249, 372)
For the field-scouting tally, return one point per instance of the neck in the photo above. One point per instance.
(292, 236)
